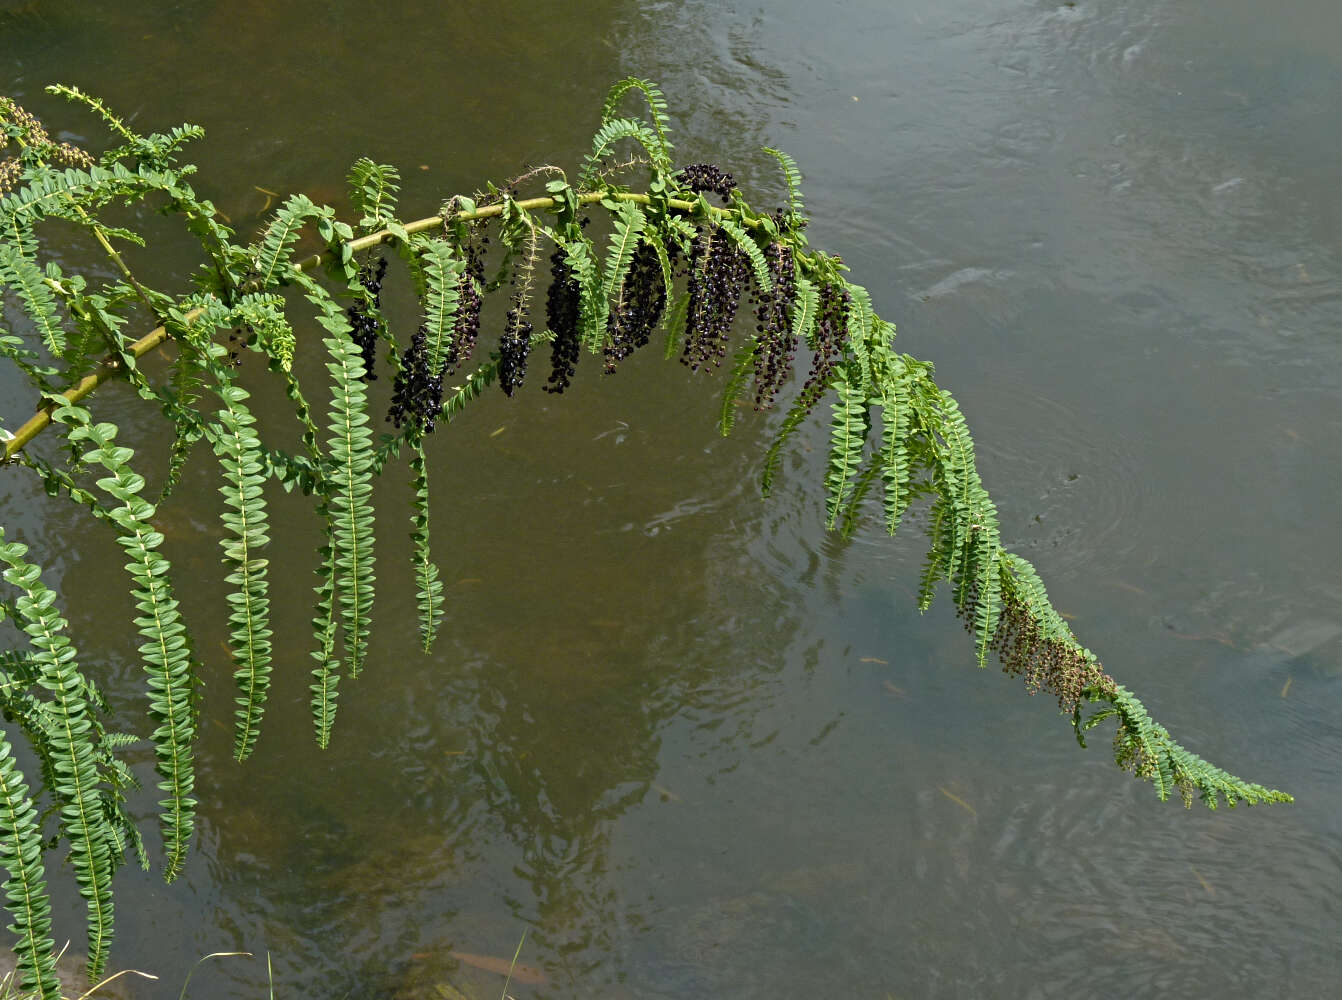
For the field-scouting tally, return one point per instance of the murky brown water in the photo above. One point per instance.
(687, 742)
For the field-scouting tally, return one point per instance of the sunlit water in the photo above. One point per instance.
(688, 743)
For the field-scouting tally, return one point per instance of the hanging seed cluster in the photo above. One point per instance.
(828, 338)
(363, 314)
(1046, 664)
(563, 309)
(466, 328)
(701, 177)
(776, 344)
(514, 346)
(715, 288)
(29, 132)
(417, 393)
(636, 315)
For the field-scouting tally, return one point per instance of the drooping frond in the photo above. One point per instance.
(1146, 748)
(351, 457)
(259, 322)
(675, 320)
(239, 451)
(593, 305)
(627, 222)
(805, 310)
(471, 389)
(429, 589)
(443, 269)
(848, 438)
(743, 364)
(325, 675)
(25, 889)
(75, 776)
(165, 651)
(976, 572)
(184, 388)
(654, 239)
(20, 272)
(796, 416)
(851, 511)
(895, 461)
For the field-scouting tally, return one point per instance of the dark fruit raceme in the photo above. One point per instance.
(563, 308)
(700, 177)
(776, 343)
(467, 326)
(514, 346)
(642, 299)
(417, 393)
(363, 315)
(715, 289)
(831, 333)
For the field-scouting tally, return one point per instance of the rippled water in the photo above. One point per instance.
(686, 741)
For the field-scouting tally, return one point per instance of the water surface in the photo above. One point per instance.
(686, 741)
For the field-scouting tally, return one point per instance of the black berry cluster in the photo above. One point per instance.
(362, 315)
(642, 299)
(831, 334)
(776, 342)
(467, 326)
(700, 177)
(417, 393)
(715, 293)
(514, 346)
(563, 309)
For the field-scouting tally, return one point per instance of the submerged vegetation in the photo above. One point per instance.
(673, 265)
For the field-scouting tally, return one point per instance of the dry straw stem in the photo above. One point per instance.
(111, 367)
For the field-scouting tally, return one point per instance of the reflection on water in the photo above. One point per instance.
(688, 743)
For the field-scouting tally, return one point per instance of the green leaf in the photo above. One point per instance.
(606, 137)
(373, 189)
(165, 650)
(848, 437)
(240, 454)
(25, 890)
(443, 268)
(75, 778)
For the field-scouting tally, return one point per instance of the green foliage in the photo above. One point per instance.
(20, 272)
(627, 226)
(239, 452)
(791, 176)
(661, 118)
(351, 476)
(373, 191)
(443, 268)
(25, 890)
(71, 734)
(607, 136)
(429, 589)
(166, 650)
(921, 460)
